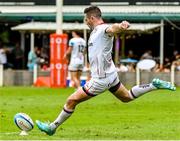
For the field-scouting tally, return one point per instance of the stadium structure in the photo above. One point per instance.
(155, 24)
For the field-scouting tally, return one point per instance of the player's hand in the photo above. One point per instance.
(124, 25)
(66, 58)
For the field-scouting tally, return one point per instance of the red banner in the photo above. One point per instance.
(58, 46)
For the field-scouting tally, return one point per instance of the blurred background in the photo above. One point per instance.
(26, 25)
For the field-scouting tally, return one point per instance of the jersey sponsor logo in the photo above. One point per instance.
(90, 44)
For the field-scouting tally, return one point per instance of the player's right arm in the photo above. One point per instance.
(117, 27)
(67, 55)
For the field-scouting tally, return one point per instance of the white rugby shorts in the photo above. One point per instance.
(76, 64)
(75, 67)
(97, 86)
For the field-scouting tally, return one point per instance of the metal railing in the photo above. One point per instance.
(1, 75)
(138, 75)
(172, 75)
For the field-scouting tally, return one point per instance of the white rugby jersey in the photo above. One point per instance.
(100, 52)
(78, 45)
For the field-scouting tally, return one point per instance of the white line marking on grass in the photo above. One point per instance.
(8, 133)
(11, 133)
(92, 140)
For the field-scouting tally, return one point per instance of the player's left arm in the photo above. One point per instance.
(117, 27)
(85, 48)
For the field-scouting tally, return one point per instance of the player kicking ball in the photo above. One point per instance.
(103, 72)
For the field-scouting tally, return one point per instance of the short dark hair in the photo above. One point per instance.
(93, 11)
(78, 32)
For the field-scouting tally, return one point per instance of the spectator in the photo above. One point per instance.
(147, 55)
(176, 62)
(131, 55)
(121, 68)
(18, 57)
(3, 57)
(131, 67)
(44, 59)
(157, 67)
(167, 65)
(175, 55)
(32, 58)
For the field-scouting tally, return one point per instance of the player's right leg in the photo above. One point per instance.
(74, 99)
(79, 73)
(73, 69)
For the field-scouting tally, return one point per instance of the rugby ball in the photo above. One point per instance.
(23, 122)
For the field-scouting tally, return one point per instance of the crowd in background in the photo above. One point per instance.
(13, 58)
(168, 62)
(40, 56)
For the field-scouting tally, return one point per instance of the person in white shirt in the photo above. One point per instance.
(103, 71)
(3, 58)
(75, 57)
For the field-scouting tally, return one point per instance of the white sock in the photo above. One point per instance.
(139, 90)
(64, 115)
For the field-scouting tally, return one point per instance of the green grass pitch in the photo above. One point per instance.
(154, 116)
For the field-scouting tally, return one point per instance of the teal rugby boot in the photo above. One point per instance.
(45, 127)
(161, 84)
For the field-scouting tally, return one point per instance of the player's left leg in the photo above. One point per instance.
(126, 95)
(120, 92)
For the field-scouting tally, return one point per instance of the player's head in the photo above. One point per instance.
(92, 14)
(76, 34)
(93, 11)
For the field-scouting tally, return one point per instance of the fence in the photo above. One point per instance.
(27, 78)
